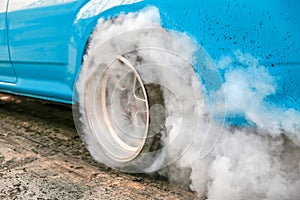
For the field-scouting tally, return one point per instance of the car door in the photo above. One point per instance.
(7, 73)
(39, 30)
(39, 34)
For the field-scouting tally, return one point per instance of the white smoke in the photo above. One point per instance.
(247, 84)
(166, 60)
(262, 162)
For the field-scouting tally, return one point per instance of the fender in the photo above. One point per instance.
(268, 30)
(84, 24)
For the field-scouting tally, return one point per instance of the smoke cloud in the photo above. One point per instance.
(257, 162)
(261, 161)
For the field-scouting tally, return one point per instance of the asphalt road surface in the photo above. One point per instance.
(42, 157)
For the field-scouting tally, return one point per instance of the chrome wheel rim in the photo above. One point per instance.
(120, 118)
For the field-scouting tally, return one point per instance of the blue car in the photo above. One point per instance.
(135, 69)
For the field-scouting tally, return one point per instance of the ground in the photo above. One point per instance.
(42, 157)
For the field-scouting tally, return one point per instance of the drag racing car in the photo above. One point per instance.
(140, 73)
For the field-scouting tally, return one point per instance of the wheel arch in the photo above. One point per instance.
(82, 29)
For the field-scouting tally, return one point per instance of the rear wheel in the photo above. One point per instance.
(122, 118)
(118, 107)
(138, 97)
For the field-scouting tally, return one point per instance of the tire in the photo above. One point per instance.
(121, 147)
(138, 97)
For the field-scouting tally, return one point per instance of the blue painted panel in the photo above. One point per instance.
(268, 30)
(48, 68)
(39, 31)
(39, 37)
(48, 38)
(3, 34)
(84, 24)
(6, 70)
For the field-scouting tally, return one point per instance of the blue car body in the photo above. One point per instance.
(42, 42)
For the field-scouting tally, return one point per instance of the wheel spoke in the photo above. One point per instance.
(124, 95)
